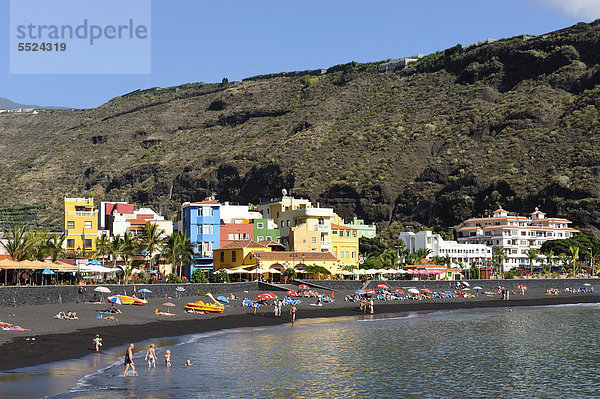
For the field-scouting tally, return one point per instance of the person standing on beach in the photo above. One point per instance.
(151, 356)
(129, 360)
(97, 342)
(371, 305)
(293, 313)
(276, 308)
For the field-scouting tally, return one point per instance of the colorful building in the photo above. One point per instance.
(344, 243)
(265, 230)
(201, 222)
(81, 225)
(364, 230)
(239, 230)
(235, 254)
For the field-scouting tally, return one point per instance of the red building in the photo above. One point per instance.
(236, 231)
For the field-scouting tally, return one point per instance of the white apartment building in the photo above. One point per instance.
(469, 254)
(516, 234)
(231, 213)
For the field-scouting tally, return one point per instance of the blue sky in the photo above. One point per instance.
(197, 40)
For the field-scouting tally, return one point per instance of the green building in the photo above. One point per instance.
(265, 229)
(364, 230)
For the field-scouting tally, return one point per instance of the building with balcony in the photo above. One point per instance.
(465, 254)
(516, 234)
(364, 230)
(81, 225)
(232, 212)
(201, 222)
(265, 230)
(344, 244)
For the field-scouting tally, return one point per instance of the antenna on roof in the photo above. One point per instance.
(284, 192)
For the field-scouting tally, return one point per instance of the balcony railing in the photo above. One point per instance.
(82, 214)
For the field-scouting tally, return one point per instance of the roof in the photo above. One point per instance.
(300, 257)
(120, 208)
(238, 244)
(209, 202)
(137, 221)
(500, 210)
(342, 227)
(270, 243)
(497, 218)
(504, 226)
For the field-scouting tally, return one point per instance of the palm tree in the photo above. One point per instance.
(549, 254)
(127, 270)
(128, 246)
(389, 258)
(151, 240)
(532, 255)
(54, 244)
(115, 248)
(103, 245)
(498, 257)
(178, 250)
(18, 243)
(573, 257)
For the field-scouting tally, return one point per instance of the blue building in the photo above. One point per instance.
(201, 222)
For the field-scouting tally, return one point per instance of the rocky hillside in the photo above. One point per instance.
(514, 122)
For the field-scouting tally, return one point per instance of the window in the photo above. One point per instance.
(341, 254)
(233, 256)
(353, 255)
(70, 243)
(207, 229)
(334, 232)
(246, 236)
(199, 247)
(88, 225)
(222, 257)
(70, 224)
(87, 243)
(288, 223)
(206, 211)
(230, 236)
(314, 240)
(347, 254)
(282, 223)
(259, 238)
(304, 241)
(335, 253)
(268, 238)
(354, 233)
(260, 225)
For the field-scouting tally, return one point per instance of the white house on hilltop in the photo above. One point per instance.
(516, 234)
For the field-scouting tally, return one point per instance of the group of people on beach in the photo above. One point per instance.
(367, 305)
(67, 316)
(150, 358)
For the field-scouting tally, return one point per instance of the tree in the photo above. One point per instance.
(532, 255)
(115, 248)
(127, 270)
(54, 245)
(549, 259)
(199, 277)
(128, 246)
(151, 240)
(103, 247)
(389, 259)
(18, 243)
(368, 246)
(573, 257)
(178, 250)
(316, 269)
(288, 273)
(498, 257)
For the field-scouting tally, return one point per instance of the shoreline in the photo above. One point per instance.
(52, 347)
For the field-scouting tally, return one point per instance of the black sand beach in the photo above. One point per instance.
(66, 339)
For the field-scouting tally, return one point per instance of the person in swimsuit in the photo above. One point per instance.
(151, 356)
(293, 313)
(129, 360)
(279, 304)
(97, 342)
(168, 359)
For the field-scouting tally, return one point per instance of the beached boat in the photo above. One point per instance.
(126, 300)
(215, 307)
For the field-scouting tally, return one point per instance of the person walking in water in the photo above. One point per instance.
(168, 358)
(151, 356)
(129, 360)
(293, 313)
(97, 342)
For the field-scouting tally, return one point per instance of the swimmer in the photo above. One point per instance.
(188, 363)
(168, 359)
(509, 310)
(151, 356)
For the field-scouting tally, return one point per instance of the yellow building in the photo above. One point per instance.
(273, 209)
(344, 242)
(234, 255)
(81, 224)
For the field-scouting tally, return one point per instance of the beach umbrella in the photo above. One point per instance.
(413, 291)
(274, 271)
(303, 287)
(145, 291)
(292, 293)
(360, 292)
(271, 295)
(103, 290)
(427, 290)
(587, 285)
(94, 262)
(384, 286)
(401, 271)
(466, 289)
(369, 291)
(477, 288)
(169, 304)
(180, 289)
(399, 291)
(466, 284)
(115, 300)
(48, 271)
(263, 296)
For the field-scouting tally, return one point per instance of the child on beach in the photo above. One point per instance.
(188, 363)
(168, 358)
(97, 342)
(151, 356)
(293, 314)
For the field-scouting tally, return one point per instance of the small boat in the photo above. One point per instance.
(126, 300)
(215, 307)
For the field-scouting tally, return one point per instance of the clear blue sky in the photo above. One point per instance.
(197, 40)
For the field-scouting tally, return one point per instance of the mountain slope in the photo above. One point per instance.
(513, 122)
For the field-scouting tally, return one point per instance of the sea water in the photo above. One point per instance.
(444, 354)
